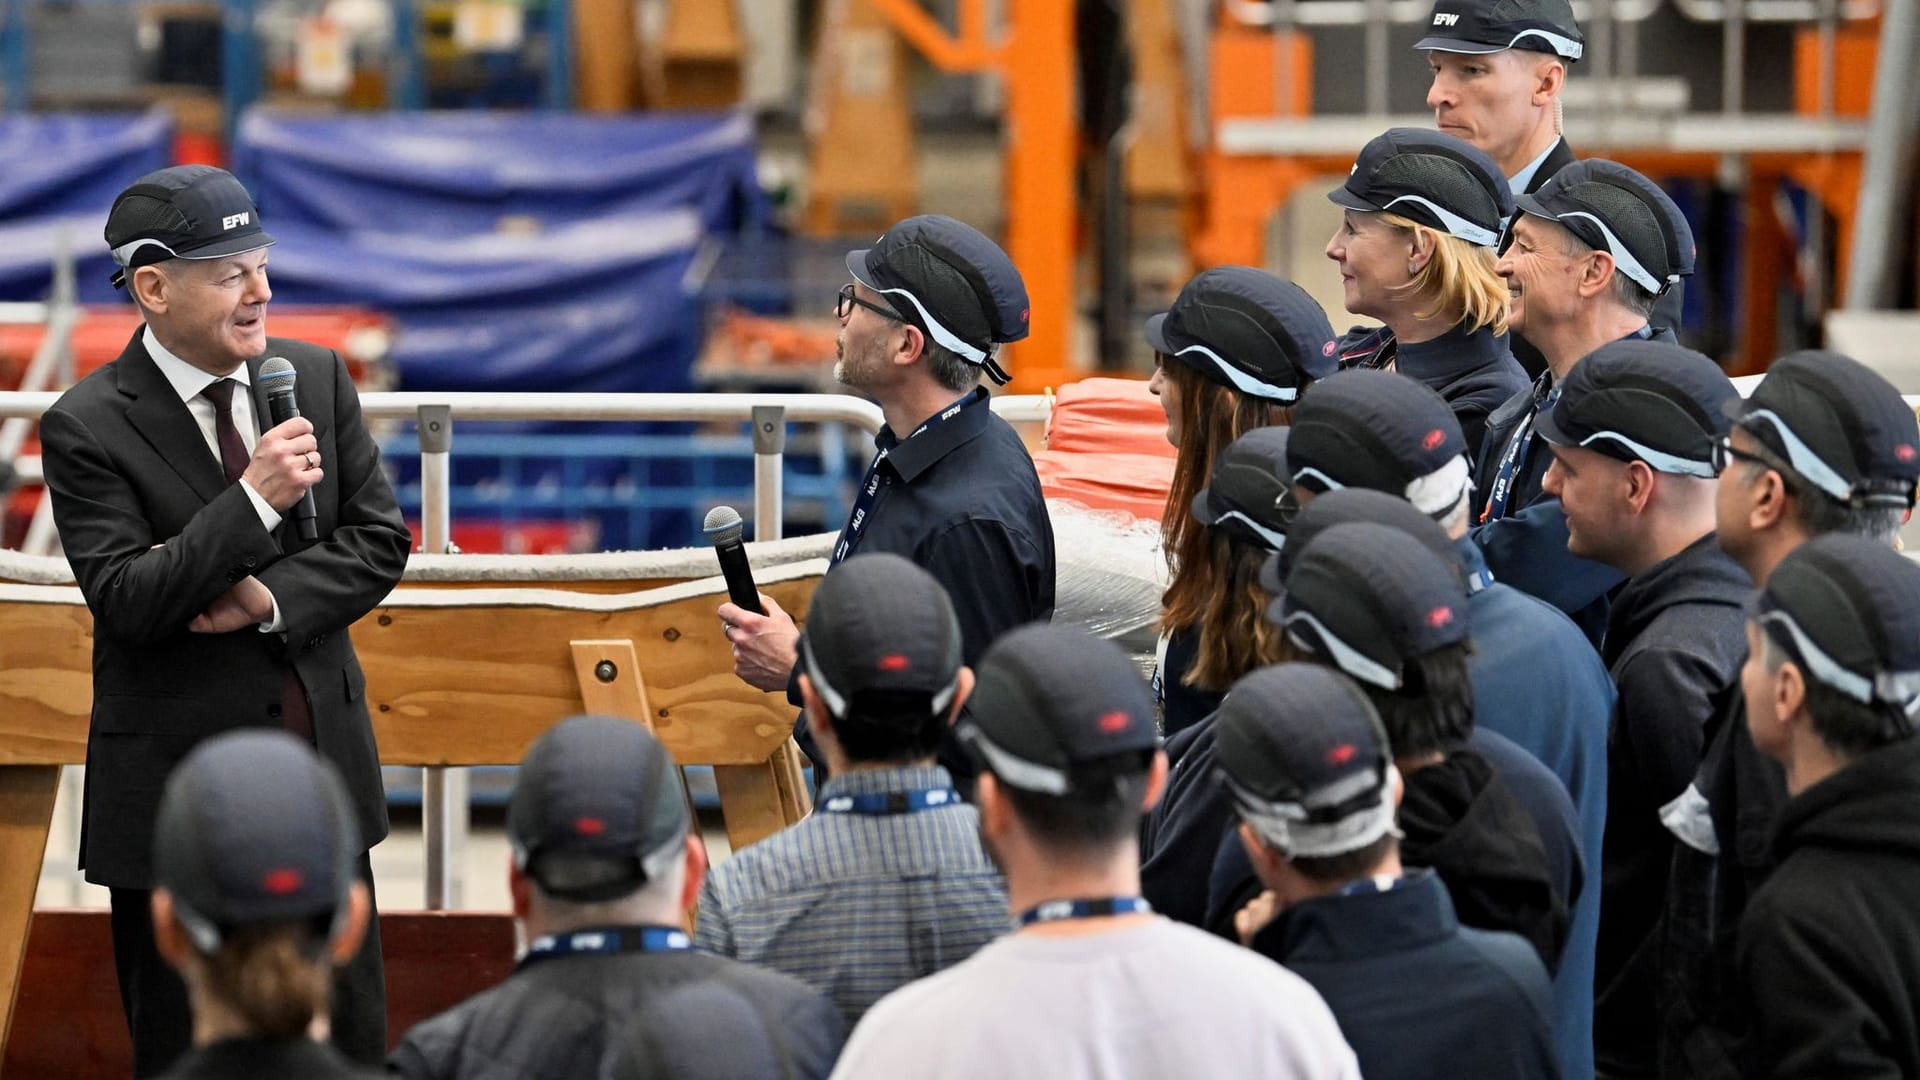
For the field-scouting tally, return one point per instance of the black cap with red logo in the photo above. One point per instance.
(254, 828)
(1371, 429)
(881, 641)
(598, 810)
(1057, 710)
(1369, 599)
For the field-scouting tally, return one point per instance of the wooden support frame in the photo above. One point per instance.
(455, 676)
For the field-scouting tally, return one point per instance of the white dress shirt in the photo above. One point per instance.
(191, 383)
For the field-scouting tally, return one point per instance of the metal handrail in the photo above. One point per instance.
(443, 794)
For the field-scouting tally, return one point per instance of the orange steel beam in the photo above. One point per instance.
(1035, 60)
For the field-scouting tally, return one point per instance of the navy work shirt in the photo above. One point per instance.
(962, 501)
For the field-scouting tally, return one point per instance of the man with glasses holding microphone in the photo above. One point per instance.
(951, 486)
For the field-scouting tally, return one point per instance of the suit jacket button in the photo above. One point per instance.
(273, 711)
(249, 562)
(234, 576)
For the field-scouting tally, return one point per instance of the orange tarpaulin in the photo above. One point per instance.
(1107, 448)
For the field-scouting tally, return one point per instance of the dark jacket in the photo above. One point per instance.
(1829, 954)
(1674, 643)
(1181, 706)
(1542, 801)
(155, 533)
(1475, 372)
(1738, 793)
(1666, 310)
(1525, 541)
(960, 500)
(252, 1059)
(1415, 991)
(1182, 833)
(1459, 818)
(1536, 681)
(684, 1014)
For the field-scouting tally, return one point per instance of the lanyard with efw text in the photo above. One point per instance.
(888, 803)
(1058, 910)
(609, 942)
(871, 483)
(1514, 461)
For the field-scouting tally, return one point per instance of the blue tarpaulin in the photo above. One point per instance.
(458, 174)
(54, 165)
(591, 308)
(27, 256)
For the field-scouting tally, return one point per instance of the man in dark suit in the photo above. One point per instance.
(174, 497)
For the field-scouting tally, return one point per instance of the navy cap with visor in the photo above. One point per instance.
(1847, 610)
(1649, 401)
(1614, 209)
(946, 278)
(1248, 330)
(1302, 755)
(1370, 599)
(1055, 710)
(1250, 495)
(1839, 425)
(1478, 27)
(1440, 181)
(255, 828)
(183, 212)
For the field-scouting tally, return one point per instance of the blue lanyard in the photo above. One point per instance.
(1514, 461)
(1059, 910)
(608, 942)
(872, 482)
(888, 803)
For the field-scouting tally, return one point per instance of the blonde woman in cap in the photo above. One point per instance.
(1423, 212)
(1234, 353)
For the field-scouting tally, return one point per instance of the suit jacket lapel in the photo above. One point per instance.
(163, 420)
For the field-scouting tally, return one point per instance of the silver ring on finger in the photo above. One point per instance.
(309, 457)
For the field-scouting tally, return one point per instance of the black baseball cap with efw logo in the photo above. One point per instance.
(1478, 27)
(182, 212)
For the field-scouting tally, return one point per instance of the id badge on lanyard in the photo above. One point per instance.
(872, 482)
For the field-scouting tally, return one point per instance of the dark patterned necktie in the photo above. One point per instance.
(294, 714)
(233, 449)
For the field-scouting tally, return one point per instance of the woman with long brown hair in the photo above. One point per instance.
(1232, 355)
(258, 901)
(1423, 213)
(1244, 512)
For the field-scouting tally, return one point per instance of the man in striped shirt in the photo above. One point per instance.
(886, 882)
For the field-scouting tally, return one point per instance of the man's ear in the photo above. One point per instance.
(519, 889)
(819, 722)
(995, 814)
(1156, 781)
(1638, 481)
(1596, 274)
(913, 345)
(1766, 501)
(169, 937)
(1549, 77)
(696, 869)
(962, 690)
(359, 913)
(151, 287)
(1790, 696)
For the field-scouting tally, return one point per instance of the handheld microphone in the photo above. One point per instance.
(276, 378)
(724, 528)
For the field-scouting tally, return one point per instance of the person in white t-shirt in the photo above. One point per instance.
(1092, 984)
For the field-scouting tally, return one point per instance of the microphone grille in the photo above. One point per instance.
(723, 523)
(276, 371)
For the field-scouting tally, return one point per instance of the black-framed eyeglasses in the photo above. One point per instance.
(845, 304)
(1725, 454)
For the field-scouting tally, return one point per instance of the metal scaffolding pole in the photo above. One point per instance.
(1879, 229)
